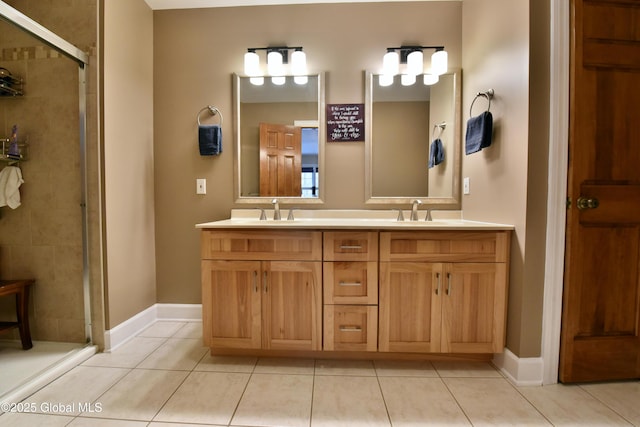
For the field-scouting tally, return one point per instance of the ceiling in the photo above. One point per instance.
(192, 4)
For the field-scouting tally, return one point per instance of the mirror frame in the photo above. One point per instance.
(237, 160)
(454, 202)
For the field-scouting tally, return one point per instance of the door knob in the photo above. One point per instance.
(587, 203)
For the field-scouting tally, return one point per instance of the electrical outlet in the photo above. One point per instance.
(465, 186)
(201, 186)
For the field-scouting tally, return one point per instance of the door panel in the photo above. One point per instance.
(601, 318)
(280, 160)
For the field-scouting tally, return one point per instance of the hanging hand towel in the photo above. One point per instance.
(479, 132)
(210, 140)
(436, 153)
(10, 181)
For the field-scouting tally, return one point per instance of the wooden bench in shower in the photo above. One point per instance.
(19, 288)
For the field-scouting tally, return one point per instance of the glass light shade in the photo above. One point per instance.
(415, 62)
(256, 81)
(278, 80)
(391, 63)
(385, 80)
(251, 64)
(439, 62)
(274, 64)
(431, 79)
(298, 63)
(408, 79)
(300, 80)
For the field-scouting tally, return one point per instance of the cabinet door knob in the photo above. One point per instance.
(587, 203)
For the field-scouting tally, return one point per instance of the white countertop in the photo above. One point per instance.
(350, 219)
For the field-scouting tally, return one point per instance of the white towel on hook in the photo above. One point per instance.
(10, 181)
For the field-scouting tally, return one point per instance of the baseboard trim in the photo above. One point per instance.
(120, 334)
(521, 371)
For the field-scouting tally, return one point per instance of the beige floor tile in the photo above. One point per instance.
(129, 355)
(98, 422)
(211, 363)
(189, 330)
(176, 354)
(420, 402)
(570, 405)
(458, 369)
(31, 420)
(206, 398)
(404, 368)
(275, 400)
(162, 329)
(348, 401)
(139, 395)
(75, 390)
(622, 397)
(274, 365)
(180, 425)
(362, 368)
(493, 401)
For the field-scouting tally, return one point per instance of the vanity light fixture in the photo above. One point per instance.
(413, 57)
(277, 59)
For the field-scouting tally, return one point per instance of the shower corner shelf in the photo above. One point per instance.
(23, 152)
(10, 85)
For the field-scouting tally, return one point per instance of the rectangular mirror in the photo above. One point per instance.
(279, 140)
(401, 124)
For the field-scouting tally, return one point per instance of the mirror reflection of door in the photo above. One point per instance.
(280, 160)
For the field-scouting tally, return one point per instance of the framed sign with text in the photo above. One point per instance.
(345, 122)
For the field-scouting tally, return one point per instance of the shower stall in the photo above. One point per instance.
(53, 237)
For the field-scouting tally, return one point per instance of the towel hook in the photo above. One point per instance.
(442, 126)
(487, 94)
(213, 110)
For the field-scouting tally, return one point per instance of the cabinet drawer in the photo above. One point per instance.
(445, 246)
(350, 246)
(350, 327)
(261, 245)
(350, 282)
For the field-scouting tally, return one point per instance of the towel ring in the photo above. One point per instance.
(212, 110)
(440, 126)
(488, 94)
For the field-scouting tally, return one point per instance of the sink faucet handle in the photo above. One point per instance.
(263, 215)
(290, 215)
(400, 215)
(428, 217)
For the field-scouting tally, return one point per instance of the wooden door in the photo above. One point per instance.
(292, 305)
(473, 307)
(410, 294)
(280, 160)
(231, 304)
(601, 318)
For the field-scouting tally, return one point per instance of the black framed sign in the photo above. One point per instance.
(345, 122)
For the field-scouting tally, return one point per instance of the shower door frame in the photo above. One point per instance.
(27, 24)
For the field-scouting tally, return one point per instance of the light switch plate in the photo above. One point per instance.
(465, 186)
(201, 186)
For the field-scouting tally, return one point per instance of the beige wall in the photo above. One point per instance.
(128, 159)
(43, 237)
(508, 180)
(196, 51)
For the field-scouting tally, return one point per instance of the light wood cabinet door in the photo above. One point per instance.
(351, 327)
(292, 305)
(410, 307)
(473, 307)
(231, 304)
(350, 282)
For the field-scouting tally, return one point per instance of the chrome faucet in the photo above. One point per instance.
(276, 209)
(414, 209)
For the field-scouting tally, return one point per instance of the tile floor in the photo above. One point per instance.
(164, 377)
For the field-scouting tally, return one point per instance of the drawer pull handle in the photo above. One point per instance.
(350, 329)
(350, 283)
(350, 246)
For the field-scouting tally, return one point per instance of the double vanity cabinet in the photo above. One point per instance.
(371, 289)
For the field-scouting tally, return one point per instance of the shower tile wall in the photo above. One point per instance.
(42, 239)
